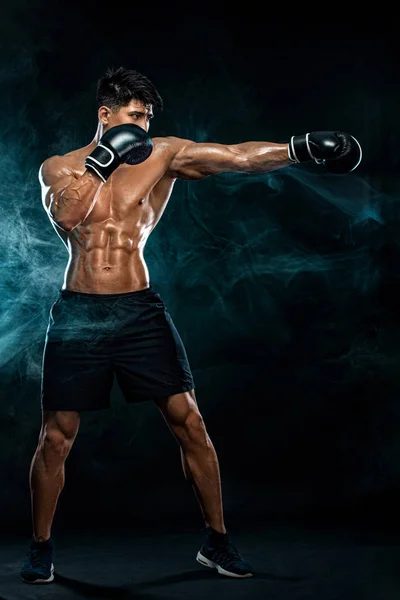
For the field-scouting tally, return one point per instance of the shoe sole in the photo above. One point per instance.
(49, 580)
(209, 563)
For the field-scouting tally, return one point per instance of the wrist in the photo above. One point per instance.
(92, 176)
(299, 149)
(102, 161)
(290, 152)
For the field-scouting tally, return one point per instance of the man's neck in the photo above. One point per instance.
(98, 134)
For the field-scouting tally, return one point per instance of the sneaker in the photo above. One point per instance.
(39, 567)
(224, 557)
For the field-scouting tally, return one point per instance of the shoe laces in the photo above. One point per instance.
(227, 553)
(38, 557)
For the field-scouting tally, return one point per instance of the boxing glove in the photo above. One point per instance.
(127, 143)
(339, 152)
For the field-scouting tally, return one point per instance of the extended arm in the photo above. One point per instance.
(337, 151)
(191, 160)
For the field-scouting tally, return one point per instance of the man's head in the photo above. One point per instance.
(126, 96)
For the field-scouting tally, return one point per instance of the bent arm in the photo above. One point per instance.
(68, 198)
(191, 160)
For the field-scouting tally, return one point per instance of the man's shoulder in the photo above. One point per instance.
(170, 142)
(57, 165)
(69, 161)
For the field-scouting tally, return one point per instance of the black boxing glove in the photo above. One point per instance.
(127, 143)
(339, 152)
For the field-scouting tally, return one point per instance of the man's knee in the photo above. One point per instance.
(55, 442)
(59, 431)
(194, 428)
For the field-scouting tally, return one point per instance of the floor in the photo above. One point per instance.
(290, 563)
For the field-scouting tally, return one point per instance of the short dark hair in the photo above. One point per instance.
(118, 86)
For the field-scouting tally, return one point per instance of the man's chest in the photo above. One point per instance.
(125, 195)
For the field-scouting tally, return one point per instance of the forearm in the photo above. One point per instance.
(72, 205)
(261, 157)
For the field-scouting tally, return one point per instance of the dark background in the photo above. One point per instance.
(283, 286)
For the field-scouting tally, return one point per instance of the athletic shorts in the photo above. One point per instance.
(91, 337)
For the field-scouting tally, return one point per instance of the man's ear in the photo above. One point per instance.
(103, 114)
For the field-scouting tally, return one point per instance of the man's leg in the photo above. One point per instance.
(47, 475)
(199, 459)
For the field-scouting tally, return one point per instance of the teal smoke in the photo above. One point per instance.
(226, 248)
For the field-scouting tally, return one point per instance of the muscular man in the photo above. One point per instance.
(104, 200)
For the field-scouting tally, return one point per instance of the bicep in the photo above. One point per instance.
(197, 160)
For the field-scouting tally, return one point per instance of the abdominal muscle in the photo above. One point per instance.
(103, 267)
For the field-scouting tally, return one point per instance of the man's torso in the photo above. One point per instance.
(106, 250)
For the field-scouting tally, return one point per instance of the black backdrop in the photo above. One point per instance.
(283, 286)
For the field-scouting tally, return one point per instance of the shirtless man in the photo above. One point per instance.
(104, 200)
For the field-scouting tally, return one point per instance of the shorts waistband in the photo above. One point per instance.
(136, 294)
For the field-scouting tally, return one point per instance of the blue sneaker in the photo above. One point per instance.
(39, 567)
(223, 556)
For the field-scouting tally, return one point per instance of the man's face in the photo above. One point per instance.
(135, 112)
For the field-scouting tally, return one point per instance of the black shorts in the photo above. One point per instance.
(92, 336)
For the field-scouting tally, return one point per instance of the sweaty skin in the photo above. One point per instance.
(105, 226)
